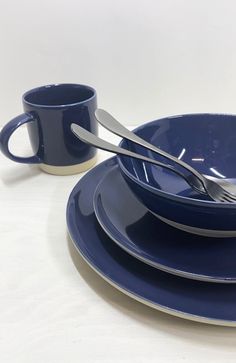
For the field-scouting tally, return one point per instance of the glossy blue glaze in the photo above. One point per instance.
(205, 141)
(138, 232)
(208, 302)
(49, 112)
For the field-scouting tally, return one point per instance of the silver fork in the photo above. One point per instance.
(226, 189)
(216, 192)
(198, 181)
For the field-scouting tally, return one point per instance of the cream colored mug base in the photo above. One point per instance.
(69, 170)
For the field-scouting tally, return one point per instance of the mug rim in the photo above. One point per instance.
(53, 85)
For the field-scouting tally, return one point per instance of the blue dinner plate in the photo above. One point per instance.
(186, 298)
(137, 231)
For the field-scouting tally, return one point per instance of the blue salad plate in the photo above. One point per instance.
(129, 224)
(190, 299)
(204, 141)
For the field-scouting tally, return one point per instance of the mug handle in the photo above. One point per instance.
(6, 133)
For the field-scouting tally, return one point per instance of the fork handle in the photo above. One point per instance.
(111, 124)
(91, 139)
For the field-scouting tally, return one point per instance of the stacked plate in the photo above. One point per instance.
(146, 232)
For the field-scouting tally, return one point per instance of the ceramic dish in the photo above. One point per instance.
(137, 231)
(189, 299)
(206, 142)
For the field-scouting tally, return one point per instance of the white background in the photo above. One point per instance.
(146, 58)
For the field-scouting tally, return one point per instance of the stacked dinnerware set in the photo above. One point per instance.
(163, 235)
(157, 221)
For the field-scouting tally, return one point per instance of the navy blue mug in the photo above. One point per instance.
(49, 112)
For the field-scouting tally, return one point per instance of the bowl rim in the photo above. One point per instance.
(161, 193)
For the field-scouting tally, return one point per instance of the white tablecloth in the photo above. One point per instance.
(54, 308)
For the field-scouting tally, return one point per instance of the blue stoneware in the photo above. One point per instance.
(189, 299)
(205, 141)
(49, 112)
(129, 224)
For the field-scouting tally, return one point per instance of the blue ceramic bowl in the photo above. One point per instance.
(205, 141)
